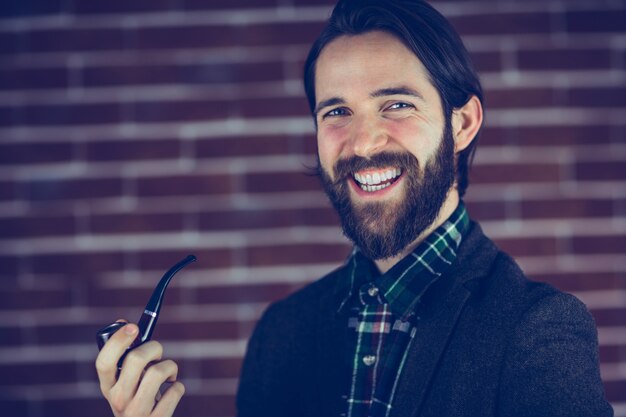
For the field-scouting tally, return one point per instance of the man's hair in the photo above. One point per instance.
(425, 32)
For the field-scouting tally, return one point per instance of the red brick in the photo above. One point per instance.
(252, 293)
(10, 116)
(535, 246)
(525, 97)
(514, 172)
(615, 390)
(176, 37)
(583, 281)
(22, 9)
(558, 135)
(563, 208)
(78, 264)
(97, 406)
(15, 408)
(160, 111)
(19, 78)
(185, 185)
(274, 182)
(135, 222)
(196, 330)
(32, 153)
(147, 6)
(493, 136)
(596, 21)
(9, 265)
(301, 3)
(36, 226)
(599, 244)
(204, 74)
(226, 35)
(71, 39)
(564, 59)
(38, 373)
(310, 144)
(228, 4)
(10, 43)
(62, 114)
(489, 61)
(8, 190)
(610, 354)
(129, 150)
(243, 146)
(609, 316)
(486, 210)
(610, 97)
(34, 298)
(71, 333)
(296, 254)
(73, 189)
(273, 107)
(210, 368)
(10, 336)
(211, 405)
(502, 23)
(292, 33)
(600, 171)
(133, 300)
(260, 219)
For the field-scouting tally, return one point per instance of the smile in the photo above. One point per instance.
(372, 181)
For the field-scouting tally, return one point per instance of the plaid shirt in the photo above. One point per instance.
(382, 313)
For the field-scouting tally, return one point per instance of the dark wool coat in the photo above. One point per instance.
(489, 342)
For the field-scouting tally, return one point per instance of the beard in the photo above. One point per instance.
(384, 229)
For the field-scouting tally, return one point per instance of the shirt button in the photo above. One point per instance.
(369, 360)
(372, 291)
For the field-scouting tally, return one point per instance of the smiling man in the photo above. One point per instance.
(427, 317)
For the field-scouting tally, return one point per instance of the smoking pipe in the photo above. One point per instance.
(150, 315)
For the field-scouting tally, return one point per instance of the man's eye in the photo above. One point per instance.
(340, 111)
(399, 105)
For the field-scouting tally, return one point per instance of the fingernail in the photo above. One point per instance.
(130, 330)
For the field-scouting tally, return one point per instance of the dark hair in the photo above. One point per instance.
(425, 32)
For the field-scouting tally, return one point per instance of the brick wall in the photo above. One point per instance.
(135, 132)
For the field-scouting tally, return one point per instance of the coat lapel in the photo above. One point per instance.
(438, 320)
(425, 352)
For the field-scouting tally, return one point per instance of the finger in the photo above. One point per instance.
(154, 377)
(166, 406)
(114, 348)
(133, 367)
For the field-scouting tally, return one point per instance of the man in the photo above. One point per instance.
(426, 317)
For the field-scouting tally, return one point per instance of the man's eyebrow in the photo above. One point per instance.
(333, 101)
(392, 91)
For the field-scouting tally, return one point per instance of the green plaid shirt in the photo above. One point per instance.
(382, 313)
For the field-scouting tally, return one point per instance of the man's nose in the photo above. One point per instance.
(368, 137)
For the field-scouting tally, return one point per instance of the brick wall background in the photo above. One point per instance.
(135, 132)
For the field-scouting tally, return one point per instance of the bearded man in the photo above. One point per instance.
(427, 317)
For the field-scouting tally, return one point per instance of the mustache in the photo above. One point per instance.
(347, 167)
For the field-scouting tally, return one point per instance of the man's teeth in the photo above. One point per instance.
(377, 180)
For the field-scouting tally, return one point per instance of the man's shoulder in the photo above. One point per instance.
(505, 280)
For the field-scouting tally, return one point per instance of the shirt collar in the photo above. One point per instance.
(403, 286)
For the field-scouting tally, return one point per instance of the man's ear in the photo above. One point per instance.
(465, 123)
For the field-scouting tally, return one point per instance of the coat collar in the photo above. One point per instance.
(443, 305)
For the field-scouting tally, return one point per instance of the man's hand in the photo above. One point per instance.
(135, 392)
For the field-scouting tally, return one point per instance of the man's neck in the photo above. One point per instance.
(448, 207)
